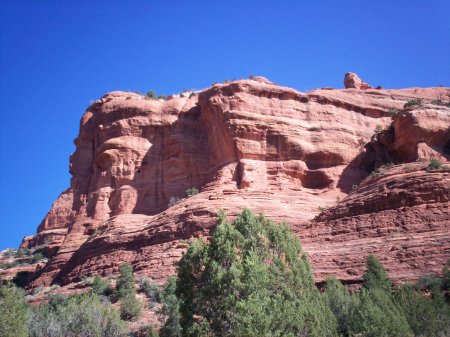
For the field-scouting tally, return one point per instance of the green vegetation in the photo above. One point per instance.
(440, 102)
(130, 307)
(413, 102)
(341, 302)
(13, 312)
(191, 191)
(354, 187)
(372, 311)
(377, 311)
(437, 102)
(24, 257)
(378, 128)
(386, 166)
(101, 286)
(151, 94)
(252, 279)
(8, 253)
(375, 173)
(392, 112)
(152, 291)
(87, 280)
(375, 275)
(23, 252)
(37, 257)
(77, 315)
(148, 331)
(11, 265)
(37, 291)
(125, 283)
(171, 308)
(22, 278)
(446, 277)
(427, 316)
(434, 165)
(428, 282)
(377, 315)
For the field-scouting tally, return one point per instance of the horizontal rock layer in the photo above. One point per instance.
(251, 143)
(402, 216)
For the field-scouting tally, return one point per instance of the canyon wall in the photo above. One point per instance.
(302, 158)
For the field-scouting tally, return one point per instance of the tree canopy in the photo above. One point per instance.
(375, 275)
(251, 279)
(13, 312)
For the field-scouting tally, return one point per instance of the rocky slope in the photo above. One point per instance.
(251, 143)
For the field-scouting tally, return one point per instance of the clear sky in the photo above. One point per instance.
(56, 56)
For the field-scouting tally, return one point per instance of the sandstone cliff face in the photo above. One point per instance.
(251, 143)
(402, 216)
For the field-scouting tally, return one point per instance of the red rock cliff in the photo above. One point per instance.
(251, 143)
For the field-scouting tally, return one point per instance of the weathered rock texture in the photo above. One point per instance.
(351, 80)
(402, 216)
(251, 143)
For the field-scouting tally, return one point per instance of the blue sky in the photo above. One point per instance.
(56, 56)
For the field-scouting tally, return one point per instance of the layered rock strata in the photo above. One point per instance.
(251, 143)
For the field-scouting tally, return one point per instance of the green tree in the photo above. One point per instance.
(171, 308)
(252, 279)
(375, 275)
(22, 278)
(13, 312)
(190, 192)
(125, 283)
(77, 315)
(152, 291)
(149, 331)
(341, 302)
(151, 94)
(434, 165)
(427, 316)
(101, 286)
(130, 307)
(442, 308)
(446, 277)
(413, 102)
(377, 314)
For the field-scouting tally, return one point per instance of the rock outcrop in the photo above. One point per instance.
(400, 214)
(251, 143)
(352, 81)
